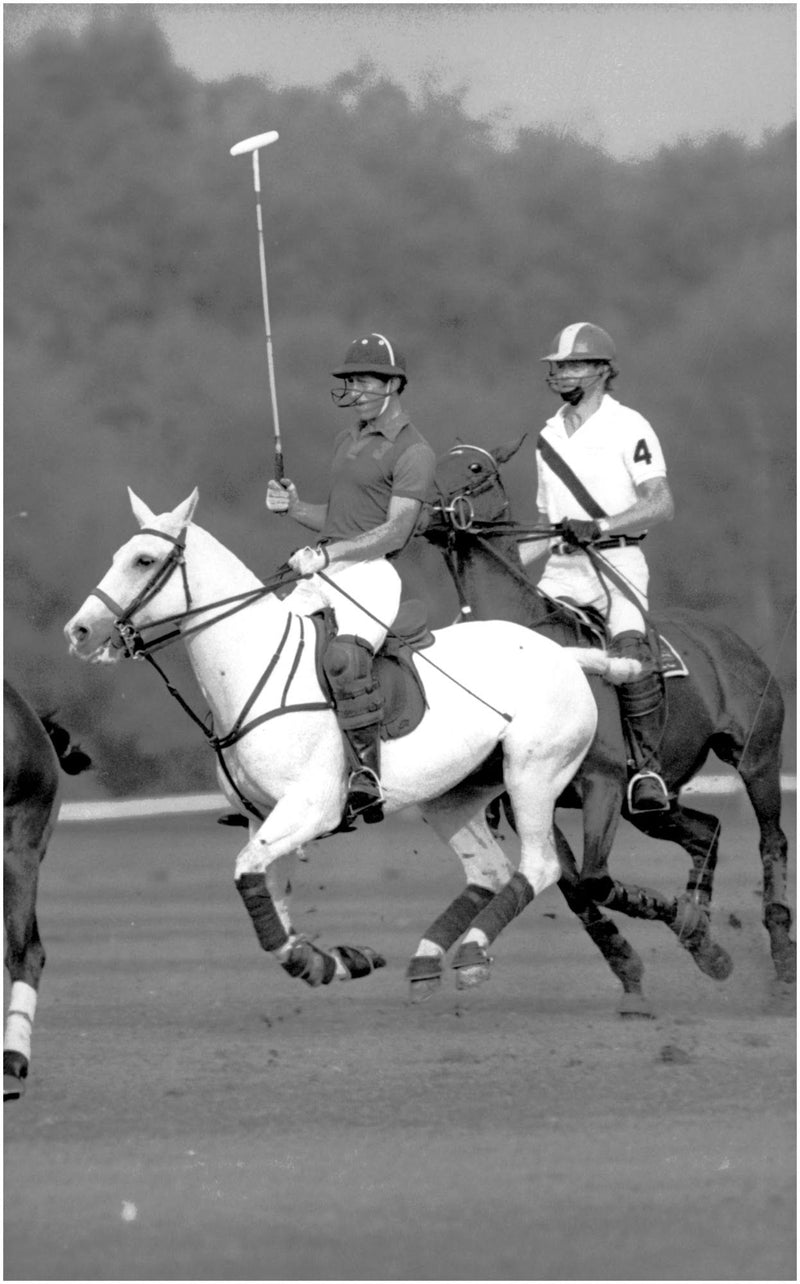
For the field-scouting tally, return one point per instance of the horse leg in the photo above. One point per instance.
(25, 844)
(486, 869)
(263, 883)
(764, 791)
(536, 771)
(686, 917)
(617, 952)
(620, 956)
(698, 833)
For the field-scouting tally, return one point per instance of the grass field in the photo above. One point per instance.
(193, 1113)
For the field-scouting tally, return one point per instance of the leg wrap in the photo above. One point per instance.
(641, 902)
(259, 904)
(313, 966)
(458, 916)
(505, 906)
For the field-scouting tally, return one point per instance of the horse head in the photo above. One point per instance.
(140, 576)
(469, 487)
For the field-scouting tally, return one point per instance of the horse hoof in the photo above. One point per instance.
(13, 1088)
(784, 957)
(424, 975)
(635, 1005)
(692, 926)
(467, 978)
(713, 960)
(472, 965)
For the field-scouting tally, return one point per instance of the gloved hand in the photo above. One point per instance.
(281, 496)
(579, 532)
(307, 561)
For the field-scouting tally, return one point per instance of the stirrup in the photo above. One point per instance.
(663, 804)
(364, 795)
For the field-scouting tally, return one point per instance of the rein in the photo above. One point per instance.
(136, 648)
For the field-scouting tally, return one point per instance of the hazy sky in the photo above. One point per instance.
(625, 76)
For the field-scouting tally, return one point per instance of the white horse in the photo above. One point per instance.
(486, 685)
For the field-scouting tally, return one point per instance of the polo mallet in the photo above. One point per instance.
(253, 145)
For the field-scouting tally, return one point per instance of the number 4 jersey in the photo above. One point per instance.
(612, 453)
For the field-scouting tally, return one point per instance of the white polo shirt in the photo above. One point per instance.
(612, 453)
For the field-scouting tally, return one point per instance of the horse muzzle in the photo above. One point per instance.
(92, 639)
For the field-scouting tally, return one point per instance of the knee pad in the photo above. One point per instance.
(348, 667)
(347, 661)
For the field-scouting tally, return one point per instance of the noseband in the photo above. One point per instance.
(132, 641)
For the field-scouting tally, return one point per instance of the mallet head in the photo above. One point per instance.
(254, 143)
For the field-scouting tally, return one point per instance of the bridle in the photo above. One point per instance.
(131, 640)
(137, 648)
(460, 510)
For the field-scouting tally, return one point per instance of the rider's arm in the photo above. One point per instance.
(389, 537)
(311, 515)
(654, 504)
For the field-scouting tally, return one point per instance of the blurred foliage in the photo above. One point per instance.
(134, 336)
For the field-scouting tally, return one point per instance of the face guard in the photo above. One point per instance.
(370, 400)
(573, 387)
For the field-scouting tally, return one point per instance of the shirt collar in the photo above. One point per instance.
(389, 425)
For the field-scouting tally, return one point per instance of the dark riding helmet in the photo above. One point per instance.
(373, 354)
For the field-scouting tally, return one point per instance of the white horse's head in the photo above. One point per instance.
(141, 585)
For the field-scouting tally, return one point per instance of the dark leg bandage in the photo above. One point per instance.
(458, 916)
(504, 907)
(260, 906)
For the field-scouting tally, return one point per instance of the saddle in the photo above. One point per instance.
(404, 701)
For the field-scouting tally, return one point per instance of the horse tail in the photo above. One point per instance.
(613, 668)
(71, 757)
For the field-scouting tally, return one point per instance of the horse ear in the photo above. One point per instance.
(503, 453)
(141, 512)
(183, 513)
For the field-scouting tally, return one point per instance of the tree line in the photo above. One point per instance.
(134, 335)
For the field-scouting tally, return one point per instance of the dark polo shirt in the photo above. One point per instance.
(369, 467)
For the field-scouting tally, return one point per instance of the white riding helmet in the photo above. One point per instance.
(581, 341)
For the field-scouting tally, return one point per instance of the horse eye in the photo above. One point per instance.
(144, 560)
(475, 468)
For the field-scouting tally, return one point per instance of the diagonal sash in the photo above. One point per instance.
(563, 471)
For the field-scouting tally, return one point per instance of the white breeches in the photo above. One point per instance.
(375, 584)
(572, 575)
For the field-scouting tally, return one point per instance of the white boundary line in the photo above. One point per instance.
(180, 804)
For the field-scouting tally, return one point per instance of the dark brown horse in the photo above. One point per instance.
(34, 750)
(728, 703)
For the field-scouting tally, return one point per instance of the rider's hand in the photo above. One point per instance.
(281, 496)
(307, 561)
(578, 532)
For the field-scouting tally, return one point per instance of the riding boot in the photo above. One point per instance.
(642, 706)
(359, 705)
(365, 796)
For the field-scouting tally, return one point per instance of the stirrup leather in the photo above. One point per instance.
(647, 775)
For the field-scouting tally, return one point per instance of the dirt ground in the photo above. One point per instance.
(193, 1113)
